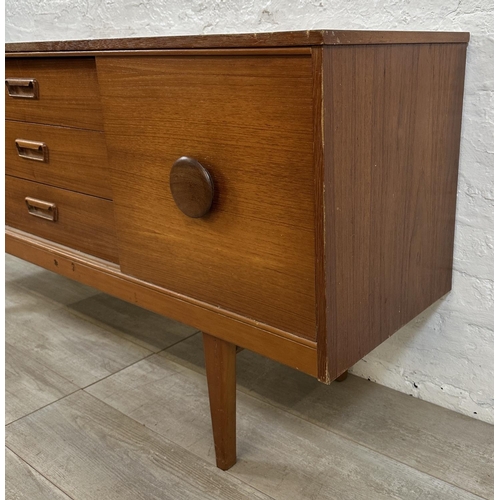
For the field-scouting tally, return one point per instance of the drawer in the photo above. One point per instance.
(248, 121)
(80, 221)
(62, 157)
(55, 91)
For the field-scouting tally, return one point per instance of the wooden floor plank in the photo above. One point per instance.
(51, 286)
(297, 439)
(67, 345)
(29, 385)
(152, 331)
(92, 451)
(434, 440)
(22, 482)
(22, 304)
(278, 453)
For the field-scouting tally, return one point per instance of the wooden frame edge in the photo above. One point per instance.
(305, 38)
(277, 51)
(324, 368)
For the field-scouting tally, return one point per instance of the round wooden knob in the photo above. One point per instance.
(191, 187)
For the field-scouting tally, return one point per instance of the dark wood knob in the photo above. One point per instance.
(191, 186)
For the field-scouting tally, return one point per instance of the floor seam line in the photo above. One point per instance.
(103, 326)
(178, 342)
(116, 331)
(35, 469)
(132, 364)
(42, 407)
(80, 388)
(118, 371)
(289, 412)
(312, 423)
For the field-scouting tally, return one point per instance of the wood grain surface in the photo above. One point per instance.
(84, 222)
(443, 451)
(191, 186)
(248, 120)
(392, 118)
(220, 364)
(271, 51)
(29, 385)
(91, 451)
(65, 346)
(280, 454)
(324, 338)
(69, 93)
(291, 350)
(276, 39)
(335, 179)
(22, 482)
(447, 445)
(77, 159)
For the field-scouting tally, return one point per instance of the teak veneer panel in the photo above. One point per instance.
(392, 117)
(84, 222)
(248, 120)
(68, 92)
(77, 159)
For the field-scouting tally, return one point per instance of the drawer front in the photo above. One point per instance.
(248, 121)
(55, 91)
(62, 157)
(76, 220)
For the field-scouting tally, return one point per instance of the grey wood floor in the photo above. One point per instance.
(107, 401)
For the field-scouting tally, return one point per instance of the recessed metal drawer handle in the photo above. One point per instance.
(32, 150)
(24, 88)
(42, 209)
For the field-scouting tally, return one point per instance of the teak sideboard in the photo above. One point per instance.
(289, 193)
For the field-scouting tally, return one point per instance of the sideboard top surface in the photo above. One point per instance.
(242, 40)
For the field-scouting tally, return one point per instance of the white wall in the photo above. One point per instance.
(446, 355)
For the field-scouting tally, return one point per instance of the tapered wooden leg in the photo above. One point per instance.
(342, 377)
(220, 362)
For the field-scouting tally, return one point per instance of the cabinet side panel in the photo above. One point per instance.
(392, 137)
